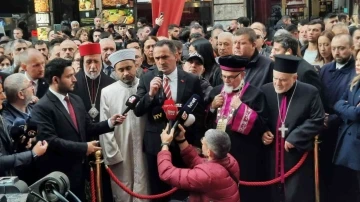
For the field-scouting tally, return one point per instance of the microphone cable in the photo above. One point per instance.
(38, 196)
(74, 196)
(61, 197)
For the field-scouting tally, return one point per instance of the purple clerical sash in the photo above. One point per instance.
(244, 119)
(280, 142)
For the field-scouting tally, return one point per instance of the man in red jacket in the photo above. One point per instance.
(212, 179)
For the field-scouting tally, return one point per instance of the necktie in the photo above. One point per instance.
(166, 87)
(35, 88)
(109, 70)
(71, 112)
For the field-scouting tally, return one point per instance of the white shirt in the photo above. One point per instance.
(35, 81)
(173, 82)
(61, 98)
(310, 56)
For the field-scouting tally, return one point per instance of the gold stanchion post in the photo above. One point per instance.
(316, 168)
(98, 162)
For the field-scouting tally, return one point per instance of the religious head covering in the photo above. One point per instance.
(195, 56)
(286, 63)
(121, 55)
(233, 63)
(89, 49)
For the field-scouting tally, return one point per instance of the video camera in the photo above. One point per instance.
(21, 131)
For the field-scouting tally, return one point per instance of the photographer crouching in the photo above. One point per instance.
(213, 178)
(10, 159)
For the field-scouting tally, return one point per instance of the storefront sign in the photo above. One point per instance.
(42, 33)
(118, 16)
(87, 18)
(117, 3)
(42, 19)
(41, 6)
(86, 5)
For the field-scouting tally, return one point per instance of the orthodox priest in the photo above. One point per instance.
(296, 117)
(238, 108)
(90, 79)
(122, 148)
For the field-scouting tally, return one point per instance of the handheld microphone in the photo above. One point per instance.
(158, 114)
(161, 93)
(186, 110)
(131, 103)
(171, 112)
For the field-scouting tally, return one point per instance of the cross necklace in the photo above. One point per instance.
(93, 112)
(283, 129)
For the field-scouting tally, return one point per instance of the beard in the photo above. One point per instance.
(341, 60)
(228, 89)
(92, 75)
(127, 80)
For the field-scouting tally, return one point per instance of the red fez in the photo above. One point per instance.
(89, 49)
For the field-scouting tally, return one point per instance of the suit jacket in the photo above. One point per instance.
(307, 74)
(188, 85)
(43, 86)
(67, 146)
(347, 150)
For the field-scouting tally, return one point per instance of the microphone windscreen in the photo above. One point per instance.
(191, 104)
(171, 112)
(132, 101)
(190, 120)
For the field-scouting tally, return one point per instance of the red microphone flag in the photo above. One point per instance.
(172, 13)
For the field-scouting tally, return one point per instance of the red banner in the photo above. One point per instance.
(172, 13)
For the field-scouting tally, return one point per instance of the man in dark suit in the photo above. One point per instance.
(287, 44)
(65, 124)
(181, 86)
(33, 62)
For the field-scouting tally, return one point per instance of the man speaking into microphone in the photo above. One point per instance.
(153, 90)
(122, 148)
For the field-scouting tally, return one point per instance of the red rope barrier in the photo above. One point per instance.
(265, 183)
(140, 196)
(92, 185)
(276, 180)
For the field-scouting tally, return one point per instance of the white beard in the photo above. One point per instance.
(228, 89)
(92, 75)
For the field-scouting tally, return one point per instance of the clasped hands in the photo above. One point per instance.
(268, 138)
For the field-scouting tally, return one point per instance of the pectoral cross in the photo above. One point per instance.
(283, 130)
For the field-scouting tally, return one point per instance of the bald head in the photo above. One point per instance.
(67, 49)
(33, 62)
(260, 26)
(213, 40)
(340, 28)
(29, 54)
(346, 39)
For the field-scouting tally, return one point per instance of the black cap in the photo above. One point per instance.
(233, 63)
(195, 56)
(286, 63)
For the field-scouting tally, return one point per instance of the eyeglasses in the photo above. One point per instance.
(230, 77)
(259, 36)
(29, 86)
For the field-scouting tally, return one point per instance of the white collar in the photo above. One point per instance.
(61, 97)
(30, 79)
(173, 75)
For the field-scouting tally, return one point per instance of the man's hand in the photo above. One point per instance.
(92, 147)
(155, 85)
(217, 102)
(267, 138)
(165, 137)
(34, 99)
(235, 102)
(159, 21)
(288, 146)
(40, 148)
(117, 119)
(181, 135)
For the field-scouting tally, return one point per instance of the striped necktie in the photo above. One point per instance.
(166, 87)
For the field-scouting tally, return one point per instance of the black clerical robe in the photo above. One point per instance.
(247, 149)
(304, 121)
(81, 89)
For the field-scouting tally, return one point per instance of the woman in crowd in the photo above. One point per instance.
(5, 62)
(149, 44)
(324, 55)
(347, 151)
(82, 34)
(356, 40)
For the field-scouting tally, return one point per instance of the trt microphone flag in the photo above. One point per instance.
(172, 13)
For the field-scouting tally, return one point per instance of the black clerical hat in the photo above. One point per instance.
(233, 63)
(286, 63)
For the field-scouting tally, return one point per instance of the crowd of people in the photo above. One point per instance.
(263, 97)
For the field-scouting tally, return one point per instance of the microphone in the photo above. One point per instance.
(186, 110)
(131, 103)
(161, 93)
(158, 114)
(171, 112)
